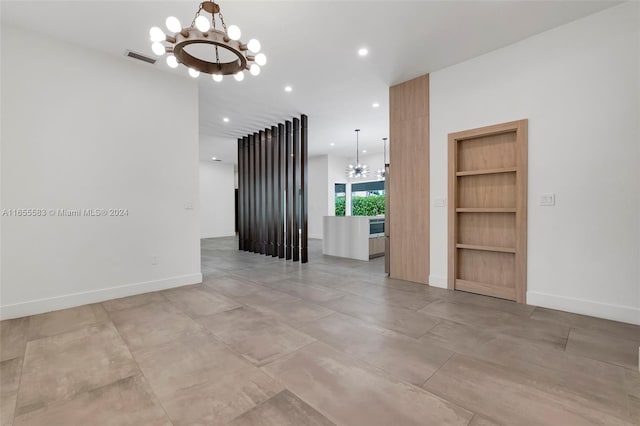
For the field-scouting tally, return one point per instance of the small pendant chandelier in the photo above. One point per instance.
(204, 30)
(358, 170)
(381, 174)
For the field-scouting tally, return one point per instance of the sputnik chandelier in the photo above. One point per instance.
(381, 174)
(358, 170)
(204, 31)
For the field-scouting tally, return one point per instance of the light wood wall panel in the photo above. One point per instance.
(409, 180)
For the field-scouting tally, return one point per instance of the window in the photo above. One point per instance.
(367, 198)
(340, 198)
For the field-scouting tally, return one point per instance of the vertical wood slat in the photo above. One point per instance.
(256, 189)
(295, 231)
(245, 202)
(289, 162)
(304, 180)
(240, 212)
(252, 194)
(281, 185)
(267, 192)
(261, 205)
(273, 181)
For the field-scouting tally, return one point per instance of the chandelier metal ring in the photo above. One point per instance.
(216, 38)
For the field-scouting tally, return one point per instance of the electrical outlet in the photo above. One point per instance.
(548, 199)
(439, 202)
(188, 206)
(155, 260)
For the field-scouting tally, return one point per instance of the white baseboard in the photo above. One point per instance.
(72, 300)
(436, 281)
(628, 314)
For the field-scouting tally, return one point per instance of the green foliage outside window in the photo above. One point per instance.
(372, 205)
(340, 206)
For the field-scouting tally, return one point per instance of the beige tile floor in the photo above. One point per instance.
(268, 342)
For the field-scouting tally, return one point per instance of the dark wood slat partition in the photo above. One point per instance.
(272, 191)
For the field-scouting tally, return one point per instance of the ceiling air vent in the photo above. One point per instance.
(140, 57)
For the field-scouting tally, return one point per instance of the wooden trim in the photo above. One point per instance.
(452, 225)
(521, 205)
(502, 292)
(487, 131)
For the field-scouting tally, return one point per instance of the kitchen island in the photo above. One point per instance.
(353, 237)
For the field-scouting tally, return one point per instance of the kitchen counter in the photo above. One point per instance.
(349, 236)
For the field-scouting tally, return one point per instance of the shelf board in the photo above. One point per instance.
(486, 210)
(486, 171)
(486, 248)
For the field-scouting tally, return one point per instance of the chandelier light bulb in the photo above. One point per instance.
(156, 34)
(254, 45)
(202, 23)
(173, 24)
(217, 77)
(194, 73)
(261, 59)
(234, 32)
(254, 69)
(239, 76)
(158, 48)
(172, 61)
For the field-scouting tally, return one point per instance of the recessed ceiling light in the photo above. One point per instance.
(332, 144)
(364, 151)
(214, 158)
(363, 51)
(288, 88)
(375, 105)
(226, 119)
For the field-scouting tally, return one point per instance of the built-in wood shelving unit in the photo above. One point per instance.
(488, 210)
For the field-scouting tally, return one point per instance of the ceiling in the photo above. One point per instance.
(311, 46)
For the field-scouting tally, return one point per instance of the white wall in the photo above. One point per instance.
(579, 87)
(96, 131)
(335, 174)
(317, 195)
(217, 200)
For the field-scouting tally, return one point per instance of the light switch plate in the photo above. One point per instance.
(548, 199)
(439, 202)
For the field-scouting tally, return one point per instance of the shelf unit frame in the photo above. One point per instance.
(519, 250)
